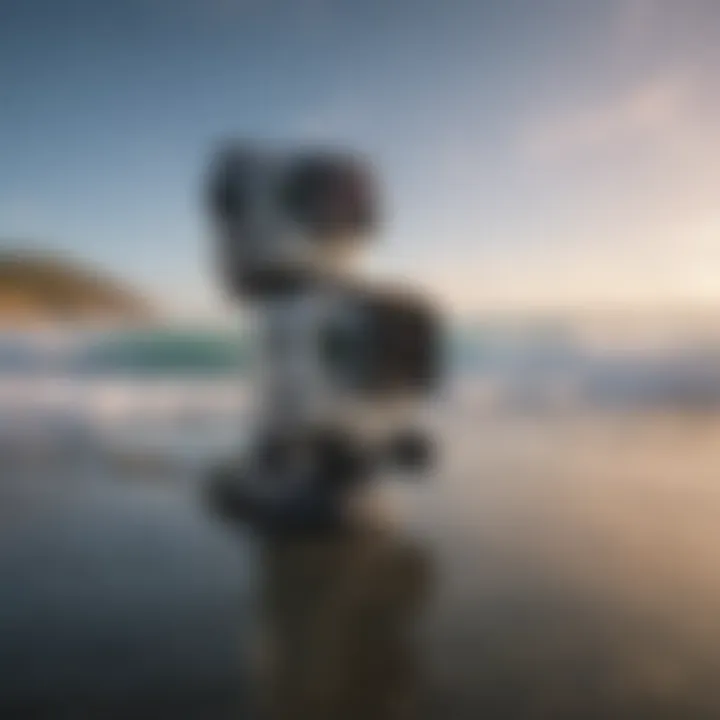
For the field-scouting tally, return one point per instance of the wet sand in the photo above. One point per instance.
(578, 569)
(569, 563)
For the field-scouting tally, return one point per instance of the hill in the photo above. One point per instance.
(38, 288)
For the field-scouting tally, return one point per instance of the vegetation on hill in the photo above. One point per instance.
(37, 288)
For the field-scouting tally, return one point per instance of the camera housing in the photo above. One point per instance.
(283, 218)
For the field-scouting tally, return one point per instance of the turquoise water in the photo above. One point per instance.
(211, 351)
(204, 352)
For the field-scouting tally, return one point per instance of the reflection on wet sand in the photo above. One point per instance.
(339, 624)
(577, 570)
(568, 569)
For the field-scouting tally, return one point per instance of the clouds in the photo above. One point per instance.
(630, 162)
(650, 147)
(643, 114)
(653, 88)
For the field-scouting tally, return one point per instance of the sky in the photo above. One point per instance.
(534, 154)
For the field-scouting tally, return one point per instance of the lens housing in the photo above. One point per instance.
(383, 342)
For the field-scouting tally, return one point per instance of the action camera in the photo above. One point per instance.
(345, 366)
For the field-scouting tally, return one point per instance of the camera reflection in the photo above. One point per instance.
(339, 626)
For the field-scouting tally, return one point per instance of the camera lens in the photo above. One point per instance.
(404, 344)
(328, 195)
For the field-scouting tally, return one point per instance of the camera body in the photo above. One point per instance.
(285, 219)
(345, 367)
